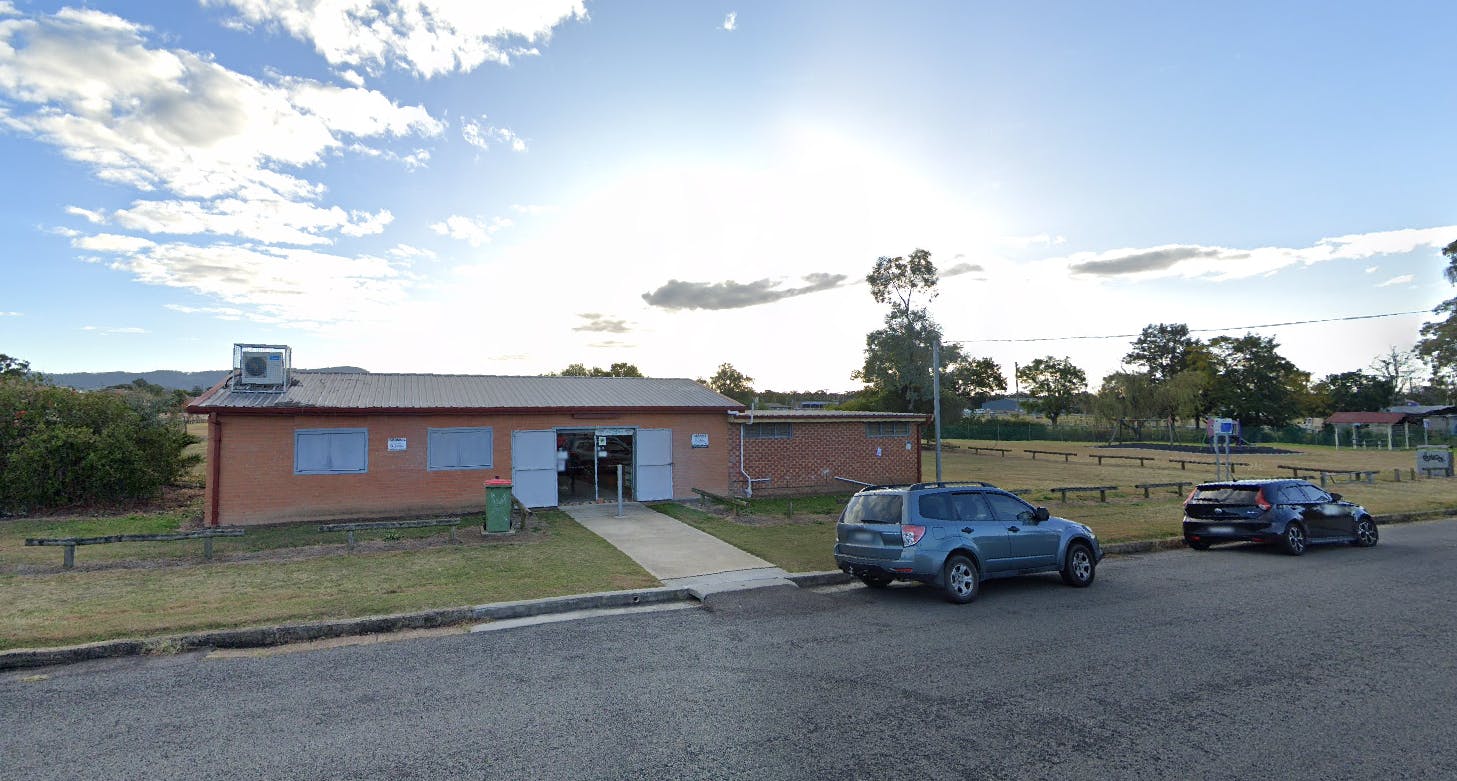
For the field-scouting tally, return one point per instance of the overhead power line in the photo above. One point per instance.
(1195, 330)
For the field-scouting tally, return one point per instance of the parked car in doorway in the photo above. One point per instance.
(955, 535)
(1293, 514)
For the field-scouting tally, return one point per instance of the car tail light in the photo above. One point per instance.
(1260, 500)
(910, 535)
(1190, 497)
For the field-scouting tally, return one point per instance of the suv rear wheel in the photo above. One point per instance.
(962, 579)
(1080, 567)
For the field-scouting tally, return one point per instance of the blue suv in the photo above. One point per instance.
(955, 535)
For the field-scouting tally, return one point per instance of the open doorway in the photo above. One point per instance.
(588, 461)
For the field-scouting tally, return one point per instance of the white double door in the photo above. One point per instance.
(534, 463)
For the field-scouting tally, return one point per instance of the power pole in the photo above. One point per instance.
(936, 398)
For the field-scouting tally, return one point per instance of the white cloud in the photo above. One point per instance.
(426, 37)
(267, 220)
(1372, 269)
(105, 331)
(220, 312)
(88, 83)
(298, 287)
(7, 8)
(481, 135)
(407, 252)
(93, 217)
(1038, 240)
(1225, 263)
(11, 314)
(1401, 280)
(730, 22)
(112, 242)
(477, 231)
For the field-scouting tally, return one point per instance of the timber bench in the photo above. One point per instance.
(351, 528)
(68, 559)
(1177, 485)
(1101, 489)
(1184, 462)
(979, 449)
(740, 506)
(1066, 457)
(1140, 459)
(1366, 475)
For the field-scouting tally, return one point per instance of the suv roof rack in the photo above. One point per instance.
(952, 484)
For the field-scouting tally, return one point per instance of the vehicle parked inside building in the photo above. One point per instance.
(955, 535)
(1291, 513)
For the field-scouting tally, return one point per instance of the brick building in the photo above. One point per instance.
(317, 446)
(806, 450)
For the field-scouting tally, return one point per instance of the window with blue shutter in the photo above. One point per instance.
(331, 451)
(459, 448)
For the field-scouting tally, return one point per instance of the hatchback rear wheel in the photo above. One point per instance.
(1293, 540)
(962, 579)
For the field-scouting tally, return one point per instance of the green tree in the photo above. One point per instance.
(13, 367)
(1055, 385)
(1126, 400)
(615, 370)
(1438, 346)
(1253, 383)
(973, 379)
(897, 365)
(1352, 392)
(732, 383)
(1163, 350)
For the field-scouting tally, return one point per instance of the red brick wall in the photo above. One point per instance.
(818, 452)
(256, 484)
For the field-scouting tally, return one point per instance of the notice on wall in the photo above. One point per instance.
(396, 444)
(700, 440)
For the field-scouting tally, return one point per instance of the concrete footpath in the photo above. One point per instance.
(674, 552)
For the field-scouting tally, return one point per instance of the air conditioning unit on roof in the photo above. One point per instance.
(262, 367)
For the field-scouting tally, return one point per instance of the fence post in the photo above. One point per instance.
(350, 538)
(207, 548)
(69, 559)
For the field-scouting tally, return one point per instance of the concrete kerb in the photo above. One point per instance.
(257, 637)
(264, 636)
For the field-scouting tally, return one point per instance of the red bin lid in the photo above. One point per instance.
(498, 483)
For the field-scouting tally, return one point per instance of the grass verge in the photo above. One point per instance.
(802, 544)
(62, 608)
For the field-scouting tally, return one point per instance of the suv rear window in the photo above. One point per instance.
(1225, 495)
(873, 508)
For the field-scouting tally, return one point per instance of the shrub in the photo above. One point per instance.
(60, 446)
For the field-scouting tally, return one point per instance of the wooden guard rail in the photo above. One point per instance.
(69, 543)
(1101, 456)
(738, 505)
(1101, 489)
(1183, 462)
(1066, 457)
(351, 528)
(1177, 485)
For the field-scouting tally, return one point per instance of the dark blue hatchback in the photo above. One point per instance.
(1293, 514)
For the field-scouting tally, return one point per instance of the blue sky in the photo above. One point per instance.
(425, 186)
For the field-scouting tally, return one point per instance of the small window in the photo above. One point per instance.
(458, 448)
(936, 507)
(768, 431)
(888, 429)
(330, 451)
(1007, 508)
(971, 507)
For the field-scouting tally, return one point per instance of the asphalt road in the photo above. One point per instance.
(1235, 663)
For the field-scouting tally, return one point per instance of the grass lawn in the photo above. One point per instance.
(802, 544)
(806, 543)
(558, 557)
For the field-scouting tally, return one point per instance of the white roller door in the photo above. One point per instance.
(533, 467)
(654, 464)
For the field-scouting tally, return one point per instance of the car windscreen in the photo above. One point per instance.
(873, 508)
(1226, 495)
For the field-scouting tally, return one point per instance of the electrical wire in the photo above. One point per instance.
(1193, 330)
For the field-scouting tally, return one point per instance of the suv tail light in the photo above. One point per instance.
(1261, 501)
(910, 535)
(1190, 497)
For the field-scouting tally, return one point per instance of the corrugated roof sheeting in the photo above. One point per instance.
(313, 390)
(789, 415)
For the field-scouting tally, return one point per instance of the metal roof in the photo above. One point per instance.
(446, 392)
(1369, 418)
(826, 415)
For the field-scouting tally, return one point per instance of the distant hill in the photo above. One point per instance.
(164, 377)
